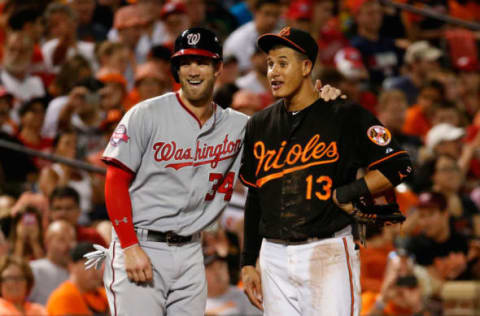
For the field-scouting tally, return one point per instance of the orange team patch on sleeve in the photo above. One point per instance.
(379, 135)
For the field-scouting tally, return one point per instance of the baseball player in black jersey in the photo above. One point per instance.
(300, 160)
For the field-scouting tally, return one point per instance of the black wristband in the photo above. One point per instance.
(352, 191)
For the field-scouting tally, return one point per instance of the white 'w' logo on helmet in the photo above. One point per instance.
(193, 38)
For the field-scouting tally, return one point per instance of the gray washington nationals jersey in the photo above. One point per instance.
(184, 173)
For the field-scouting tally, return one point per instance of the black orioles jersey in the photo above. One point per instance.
(295, 161)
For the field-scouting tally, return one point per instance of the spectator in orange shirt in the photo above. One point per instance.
(418, 120)
(16, 281)
(82, 294)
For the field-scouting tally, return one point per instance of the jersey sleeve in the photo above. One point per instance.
(247, 167)
(129, 140)
(374, 141)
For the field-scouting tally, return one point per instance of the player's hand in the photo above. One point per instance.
(138, 265)
(252, 284)
(327, 92)
(347, 207)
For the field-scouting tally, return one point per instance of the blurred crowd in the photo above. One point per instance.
(70, 69)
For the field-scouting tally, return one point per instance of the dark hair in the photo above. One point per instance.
(27, 106)
(90, 83)
(423, 178)
(160, 52)
(9, 260)
(435, 84)
(65, 131)
(331, 76)
(261, 3)
(223, 96)
(80, 250)
(19, 18)
(68, 75)
(64, 192)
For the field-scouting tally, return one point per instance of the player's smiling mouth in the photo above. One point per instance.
(194, 82)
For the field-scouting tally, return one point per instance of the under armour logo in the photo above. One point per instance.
(193, 38)
(117, 222)
(285, 31)
(389, 150)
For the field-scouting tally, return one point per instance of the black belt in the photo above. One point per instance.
(169, 237)
(299, 241)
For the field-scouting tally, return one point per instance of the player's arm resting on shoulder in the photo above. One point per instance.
(252, 242)
(383, 177)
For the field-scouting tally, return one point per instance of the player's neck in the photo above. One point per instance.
(202, 109)
(302, 98)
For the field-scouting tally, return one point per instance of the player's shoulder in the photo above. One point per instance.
(270, 112)
(234, 115)
(154, 103)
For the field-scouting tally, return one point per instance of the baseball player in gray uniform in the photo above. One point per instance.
(172, 161)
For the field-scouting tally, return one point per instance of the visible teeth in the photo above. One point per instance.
(194, 81)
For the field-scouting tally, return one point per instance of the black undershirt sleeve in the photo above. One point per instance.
(252, 239)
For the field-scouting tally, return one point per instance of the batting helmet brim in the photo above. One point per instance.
(196, 52)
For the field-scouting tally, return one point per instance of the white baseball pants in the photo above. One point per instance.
(320, 278)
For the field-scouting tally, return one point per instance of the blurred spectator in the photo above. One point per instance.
(469, 84)
(128, 30)
(58, 174)
(421, 27)
(197, 12)
(242, 11)
(223, 298)
(447, 113)
(113, 57)
(437, 237)
(256, 79)
(114, 92)
(175, 18)
(82, 293)
(299, 15)
(326, 29)
(380, 54)
(400, 293)
(150, 81)
(62, 30)
(242, 42)
(88, 29)
(15, 75)
(16, 282)
(51, 271)
(421, 60)
(419, 117)
(391, 111)
(74, 70)
(6, 104)
(83, 113)
(64, 205)
(26, 234)
(32, 116)
(230, 72)
(29, 22)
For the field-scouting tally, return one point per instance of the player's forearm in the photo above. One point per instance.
(384, 177)
(119, 205)
(252, 238)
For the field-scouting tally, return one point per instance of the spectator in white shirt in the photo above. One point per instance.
(15, 75)
(62, 29)
(242, 42)
(52, 270)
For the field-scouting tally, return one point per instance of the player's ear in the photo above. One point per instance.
(306, 67)
(218, 68)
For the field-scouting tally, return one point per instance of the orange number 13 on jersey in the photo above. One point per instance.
(325, 190)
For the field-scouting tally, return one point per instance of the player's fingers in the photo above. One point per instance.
(141, 276)
(252, 297)
(134, 276)
(130, 275)
(148, 273)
